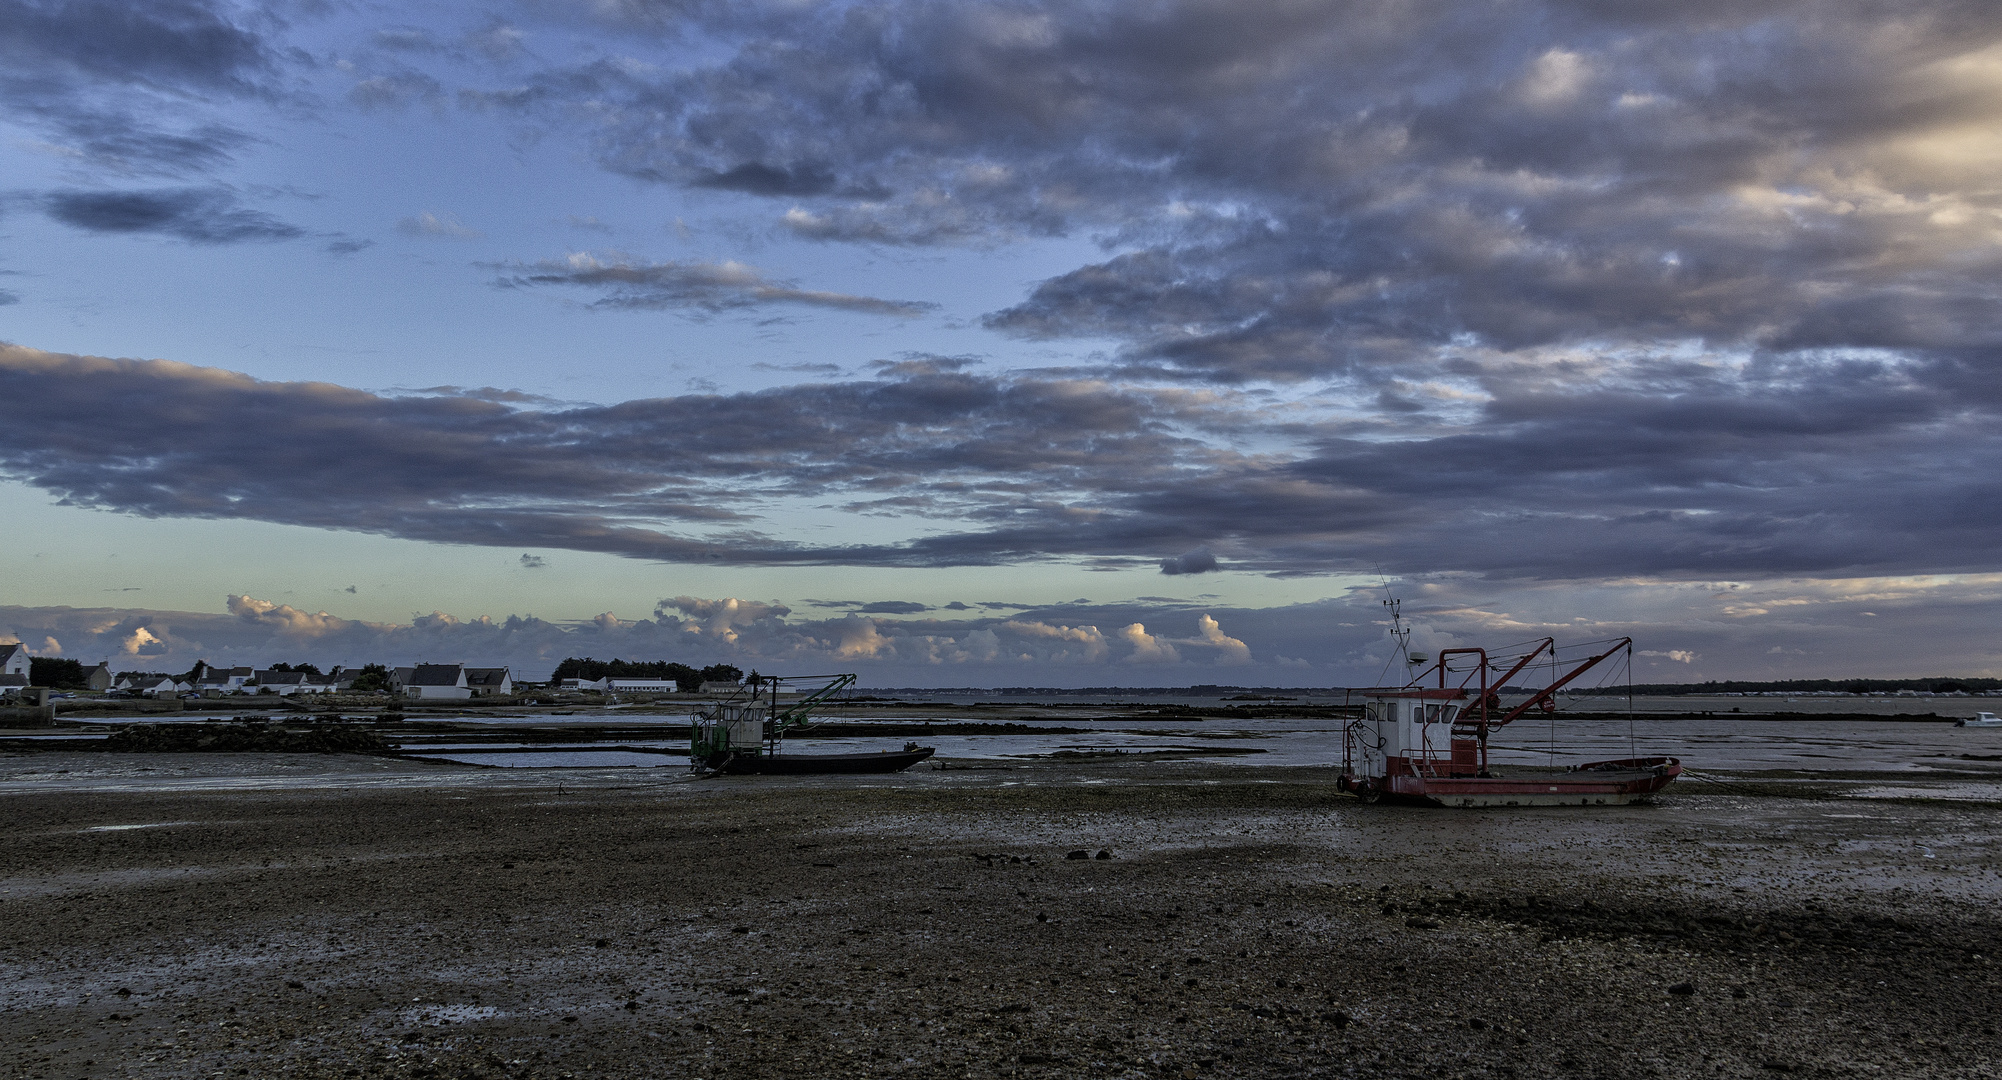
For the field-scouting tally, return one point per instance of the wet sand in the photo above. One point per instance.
(339, 916)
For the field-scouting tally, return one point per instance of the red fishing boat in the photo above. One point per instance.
(1428, 744)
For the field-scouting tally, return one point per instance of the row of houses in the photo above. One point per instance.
(420, 681)
(438, 681)
(211, 681)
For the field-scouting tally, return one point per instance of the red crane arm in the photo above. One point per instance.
(1545, 694)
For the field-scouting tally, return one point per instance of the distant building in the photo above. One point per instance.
(343, 678)
(581, 684)
(11, 685)
(725, 687)
(158, 686)
(224, 680)
(488, 682)
(400, 678)
(288, 683)
(99, 677)
(643, 686)
(444, 682)
(14, 659)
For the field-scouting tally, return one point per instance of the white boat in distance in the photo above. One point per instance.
(1980, 719)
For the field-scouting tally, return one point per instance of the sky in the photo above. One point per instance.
(1003, 344)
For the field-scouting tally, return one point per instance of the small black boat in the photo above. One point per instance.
(885, 761)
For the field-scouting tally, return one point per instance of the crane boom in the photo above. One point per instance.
(1549, 692)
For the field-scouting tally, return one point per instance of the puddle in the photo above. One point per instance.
(562, 759)
(146, 825)
(448, 1014)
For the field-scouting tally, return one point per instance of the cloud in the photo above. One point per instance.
(1920, 627)
(708, 287)
(893, 607)
(8, 298)
(1229, 649)
(1656, 467)
(1198, 561)
(1298, 192)
(758, 178)
(396, 90)
(197, 215)
(130, 89)
(1147, 649)
(437, 227)
(348, 246)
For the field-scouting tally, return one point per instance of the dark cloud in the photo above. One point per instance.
(348, 246)
(1198, 561)
(461, 467)
(757, 178)
(533, 562)
(1346, 191)
(7, 297)
(893, 607)
(197, 215)
(707, 287)
(1668, 468)
(122, 87)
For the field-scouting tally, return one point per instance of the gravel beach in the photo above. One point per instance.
(350, 916)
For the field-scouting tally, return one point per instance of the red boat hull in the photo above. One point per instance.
(1601, 783)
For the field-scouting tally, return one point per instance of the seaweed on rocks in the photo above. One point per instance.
(246, 738)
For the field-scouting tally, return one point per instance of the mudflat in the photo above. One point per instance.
(348, 916)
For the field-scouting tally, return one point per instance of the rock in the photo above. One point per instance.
(1682, 989)
(1080, 854)
(1103, 853)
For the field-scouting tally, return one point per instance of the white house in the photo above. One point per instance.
(725, 687)
(158, 686)
(225, 680)
(287, 683)
(488, 682)
(437, 682)
(14, 659)
(581, 684)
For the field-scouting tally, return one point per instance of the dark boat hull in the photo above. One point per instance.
(820, 764)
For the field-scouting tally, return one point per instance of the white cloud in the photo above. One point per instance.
(442, 227)
(1147, 649)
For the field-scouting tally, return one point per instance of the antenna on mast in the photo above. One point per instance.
(1398, 631)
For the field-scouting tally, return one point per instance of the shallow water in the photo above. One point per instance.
(1706, 743)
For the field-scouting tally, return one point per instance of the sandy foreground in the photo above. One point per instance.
(346, 916)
